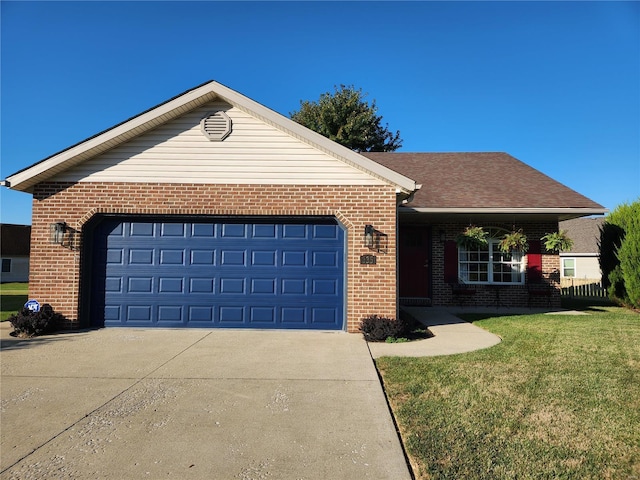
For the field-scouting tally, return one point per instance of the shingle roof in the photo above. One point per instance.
(480, 180)
(15, 240)
(585, 233)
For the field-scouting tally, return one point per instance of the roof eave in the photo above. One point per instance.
(24, 180)
(561, 213)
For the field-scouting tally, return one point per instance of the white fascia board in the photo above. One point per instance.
(28, 177)
(314, 139)
(505, 211)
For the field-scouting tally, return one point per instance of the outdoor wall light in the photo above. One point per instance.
(368, 236)
(375, 240)
(56, 233)
(442, 236)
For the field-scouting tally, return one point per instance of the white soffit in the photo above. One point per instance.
(24, 180)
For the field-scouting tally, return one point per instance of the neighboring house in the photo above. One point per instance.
(14, 250)
(582, 261)
(210, 210)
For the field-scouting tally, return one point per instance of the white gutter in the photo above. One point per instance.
(504, 210)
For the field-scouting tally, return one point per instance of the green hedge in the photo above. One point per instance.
(620, 254)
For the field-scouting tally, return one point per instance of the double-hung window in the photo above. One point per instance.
(490, 265)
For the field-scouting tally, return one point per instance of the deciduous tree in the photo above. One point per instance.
(346, 118)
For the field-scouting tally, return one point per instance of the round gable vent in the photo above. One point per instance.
(216, 126)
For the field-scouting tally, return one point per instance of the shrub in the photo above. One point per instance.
(620, 253)
(629, 254)
(610, 239)
(378, 329)
(27, 323)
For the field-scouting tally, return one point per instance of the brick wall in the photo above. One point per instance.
(55, 270)
(507, 295)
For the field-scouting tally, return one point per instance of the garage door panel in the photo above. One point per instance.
(141, 229)
(263, 286)
(203, 230)
(203, 257)
(171, 285)
(139, 314)
(201, 316)
(201, 285)
(139, 256)
(294, 232)
(228, 274)
(172, 257)
(170, 313)
(264, 258)
(172, 230)
(233, 230)
(233, 258)
(294, 258)
(115, 256)
(264, 231)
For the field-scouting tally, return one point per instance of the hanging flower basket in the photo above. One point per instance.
(515, 241)
(557, 241)
(472, 238)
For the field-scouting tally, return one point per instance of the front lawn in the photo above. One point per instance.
(558, 398)
(13, 296)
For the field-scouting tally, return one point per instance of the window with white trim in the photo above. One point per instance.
(489, 265)
(568, 267)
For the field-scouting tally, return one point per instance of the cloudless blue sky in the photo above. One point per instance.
(555, 84)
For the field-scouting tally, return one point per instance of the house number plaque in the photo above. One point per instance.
(368, 259)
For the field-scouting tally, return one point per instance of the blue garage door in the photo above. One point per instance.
(224, 273)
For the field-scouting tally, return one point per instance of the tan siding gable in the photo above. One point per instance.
(254, 153)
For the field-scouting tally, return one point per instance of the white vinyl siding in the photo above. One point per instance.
(580, 266)
(254, 153)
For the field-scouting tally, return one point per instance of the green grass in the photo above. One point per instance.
(558, 398)
(13, 296)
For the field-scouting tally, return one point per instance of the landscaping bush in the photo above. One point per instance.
(378, 329)
(27, 323)
(620, 254)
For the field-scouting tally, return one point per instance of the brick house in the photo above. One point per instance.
(211, 210)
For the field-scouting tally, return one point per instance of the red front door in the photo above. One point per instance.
(414, 261)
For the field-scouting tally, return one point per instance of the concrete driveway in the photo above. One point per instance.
(214, 404)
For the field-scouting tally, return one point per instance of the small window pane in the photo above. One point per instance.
(6, 265)
(569, 267)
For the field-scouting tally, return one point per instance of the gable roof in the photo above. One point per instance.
(486, 182)
(15, 240)
(24, 180)
(585, 233)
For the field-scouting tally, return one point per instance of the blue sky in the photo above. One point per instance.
(555, 84)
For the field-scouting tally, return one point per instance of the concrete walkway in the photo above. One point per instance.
(451, 335)
(194, 404)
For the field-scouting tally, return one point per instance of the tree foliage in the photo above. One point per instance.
(346, 118)
(620, 253)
